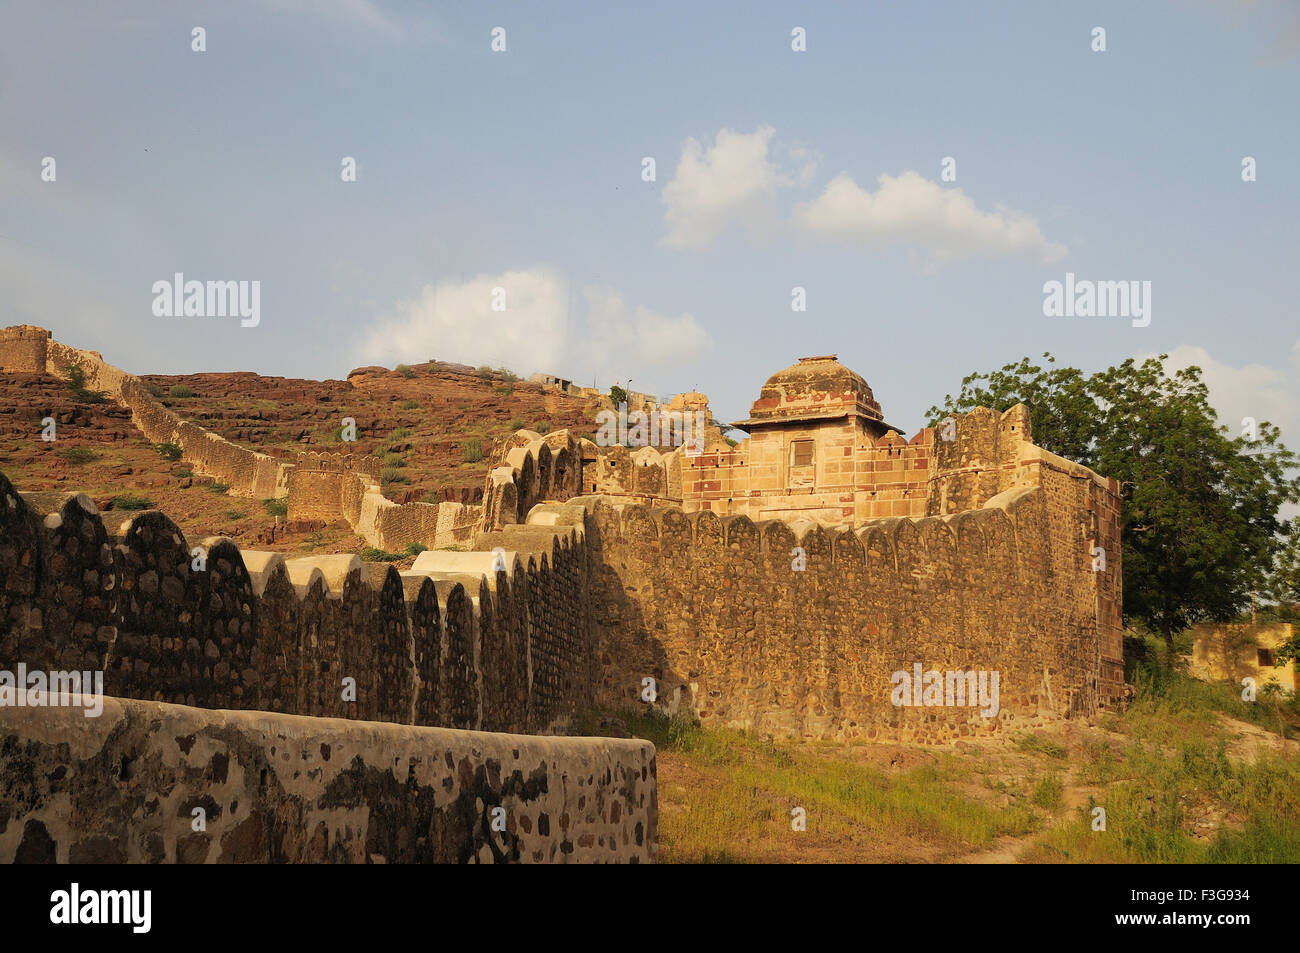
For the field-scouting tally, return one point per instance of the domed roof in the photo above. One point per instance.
(815, 388)
(811, 374)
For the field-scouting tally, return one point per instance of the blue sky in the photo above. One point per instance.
(522, 170)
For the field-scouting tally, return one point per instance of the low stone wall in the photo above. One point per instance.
(128, 785)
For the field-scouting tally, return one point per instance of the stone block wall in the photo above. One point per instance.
(274, 788)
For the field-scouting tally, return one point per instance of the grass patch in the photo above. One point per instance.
(372, 555)
(168, 451)
(517, 424)
(405, 371)
(472, 452)
(409, 405)
(1037, 744)
(1168, 777)
(400, 433)
(764, 780)
(542, 427)
(235, 514)
(1048, 792)
(130, 501)
(79, 455)
(415, 549)
(276, 507)
(180, 391)
(393, 475)
(218, 488)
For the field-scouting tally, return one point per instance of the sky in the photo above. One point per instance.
(920, 171)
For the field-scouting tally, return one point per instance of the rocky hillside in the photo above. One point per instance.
(433, 424)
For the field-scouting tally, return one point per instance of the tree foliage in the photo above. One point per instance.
(1201, 524)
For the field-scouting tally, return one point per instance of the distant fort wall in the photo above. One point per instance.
(316, 486)
(248, 473)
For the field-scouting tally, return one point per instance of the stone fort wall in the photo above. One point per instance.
(454, 644)
(713, 609)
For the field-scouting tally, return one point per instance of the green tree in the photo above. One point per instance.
(618, 395)
(1201, 524)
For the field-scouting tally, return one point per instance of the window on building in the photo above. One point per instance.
(801, 453)
(1265, 657)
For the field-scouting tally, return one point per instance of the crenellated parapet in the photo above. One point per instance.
(211, 626)
(798, 628)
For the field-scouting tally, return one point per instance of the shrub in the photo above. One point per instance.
(129, 501)
(154, 390)
(183, 473)
(409, 405)
(505, 390)
(405, 371)
(472, 451)
(79, 455)
(393, 460)
(372, 555)
(392, 475)
(180, 390)
(218, 487)
(543, 427)
(618, 395)
(76, 380)
(415, 549)
(507, 374)
(485, 372)
(399, 433)
(235, 514)
(276, 507)
(168, 451)
(517, 424)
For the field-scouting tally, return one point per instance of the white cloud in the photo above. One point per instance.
(910, 209)
(732, 182)
(454, 321)
(1252, 390)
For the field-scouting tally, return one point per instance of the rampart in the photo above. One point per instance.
(455, 645)
(126, 786)
(718, 611)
